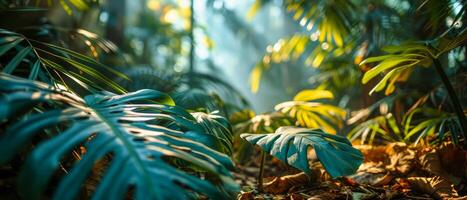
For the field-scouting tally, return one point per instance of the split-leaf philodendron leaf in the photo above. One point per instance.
(290, 144)
(142, 132)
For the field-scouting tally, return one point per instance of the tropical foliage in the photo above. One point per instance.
(313, 114)
(291, 146)
(145, 142)
(383, 57)
(140, 143)
(142, 106)
(40, 61)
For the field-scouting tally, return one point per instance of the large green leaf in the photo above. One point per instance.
(145, 140)
(291, 144)
(192, 91)
(256, 124)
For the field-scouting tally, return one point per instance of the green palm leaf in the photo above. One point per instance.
(142, 137)
(432, 121)
(398, 64)
(67, 5)
(328, 25)
(291, 144)
(50, 61)
(382, 125)
(313, 114)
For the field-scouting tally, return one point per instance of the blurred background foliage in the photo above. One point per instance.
(375, 71)
(413, 51)
(279, 47)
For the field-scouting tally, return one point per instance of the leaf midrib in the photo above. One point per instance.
(132, 151)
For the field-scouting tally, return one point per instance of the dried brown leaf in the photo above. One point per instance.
(431, 162)
(246, 196)
(280, 185)
(436, 187)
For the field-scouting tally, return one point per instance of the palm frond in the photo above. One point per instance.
(398, 64)
(332, 19)
(53, 64)
(313, 114)
(149, 78)
(385, 126)
(217, 85)
(189, 89)
(433, 121)
(69, 6)
(438, 11)
(329, 25)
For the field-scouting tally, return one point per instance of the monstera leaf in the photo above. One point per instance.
(291, 144)
(141, 132)
(263, 123)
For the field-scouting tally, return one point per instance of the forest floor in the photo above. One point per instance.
(393, 171)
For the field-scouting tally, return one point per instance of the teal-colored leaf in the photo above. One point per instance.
(10, 67)
(8, 42)
(145, 140)
(35, 70)
(216, 126)
(291, 144)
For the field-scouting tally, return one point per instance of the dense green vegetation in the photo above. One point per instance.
(130, 112)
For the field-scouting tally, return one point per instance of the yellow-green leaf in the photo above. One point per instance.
(310, 95)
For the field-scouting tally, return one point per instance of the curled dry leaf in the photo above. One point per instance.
(431, 162)
(436, 187)
(447, 161)
(280, 185)
(385, 180)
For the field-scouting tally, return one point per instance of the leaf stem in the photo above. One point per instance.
(453, 97)
(261, 172)
(192, 37)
